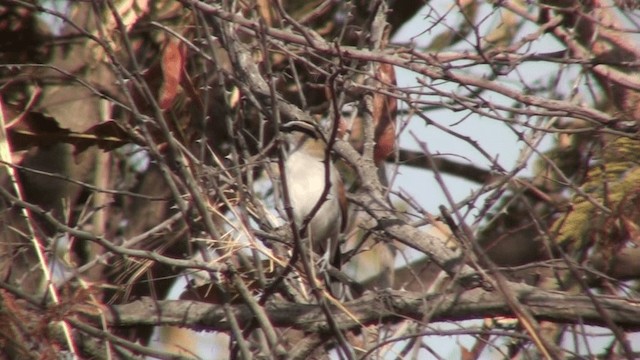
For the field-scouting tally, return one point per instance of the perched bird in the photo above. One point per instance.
(306, 174)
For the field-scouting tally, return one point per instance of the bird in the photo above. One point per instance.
(306, 167)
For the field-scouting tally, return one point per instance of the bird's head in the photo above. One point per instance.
(304, 136)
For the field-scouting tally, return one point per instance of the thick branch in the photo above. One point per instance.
(386, 306)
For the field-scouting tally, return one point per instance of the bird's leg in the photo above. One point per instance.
(326, 258)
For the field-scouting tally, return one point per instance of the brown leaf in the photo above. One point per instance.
(173, 60)
(384, 114)
(37, 129)
(107, 136)
(465, 354)
(385, 110)
(265, 8)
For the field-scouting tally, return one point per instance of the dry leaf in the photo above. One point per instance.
(172, 65)
(37, 129)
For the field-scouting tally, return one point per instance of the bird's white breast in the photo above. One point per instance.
(306, 182)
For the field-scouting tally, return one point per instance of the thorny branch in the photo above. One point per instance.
(200, 90)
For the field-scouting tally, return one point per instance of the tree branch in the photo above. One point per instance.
(385, 306)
